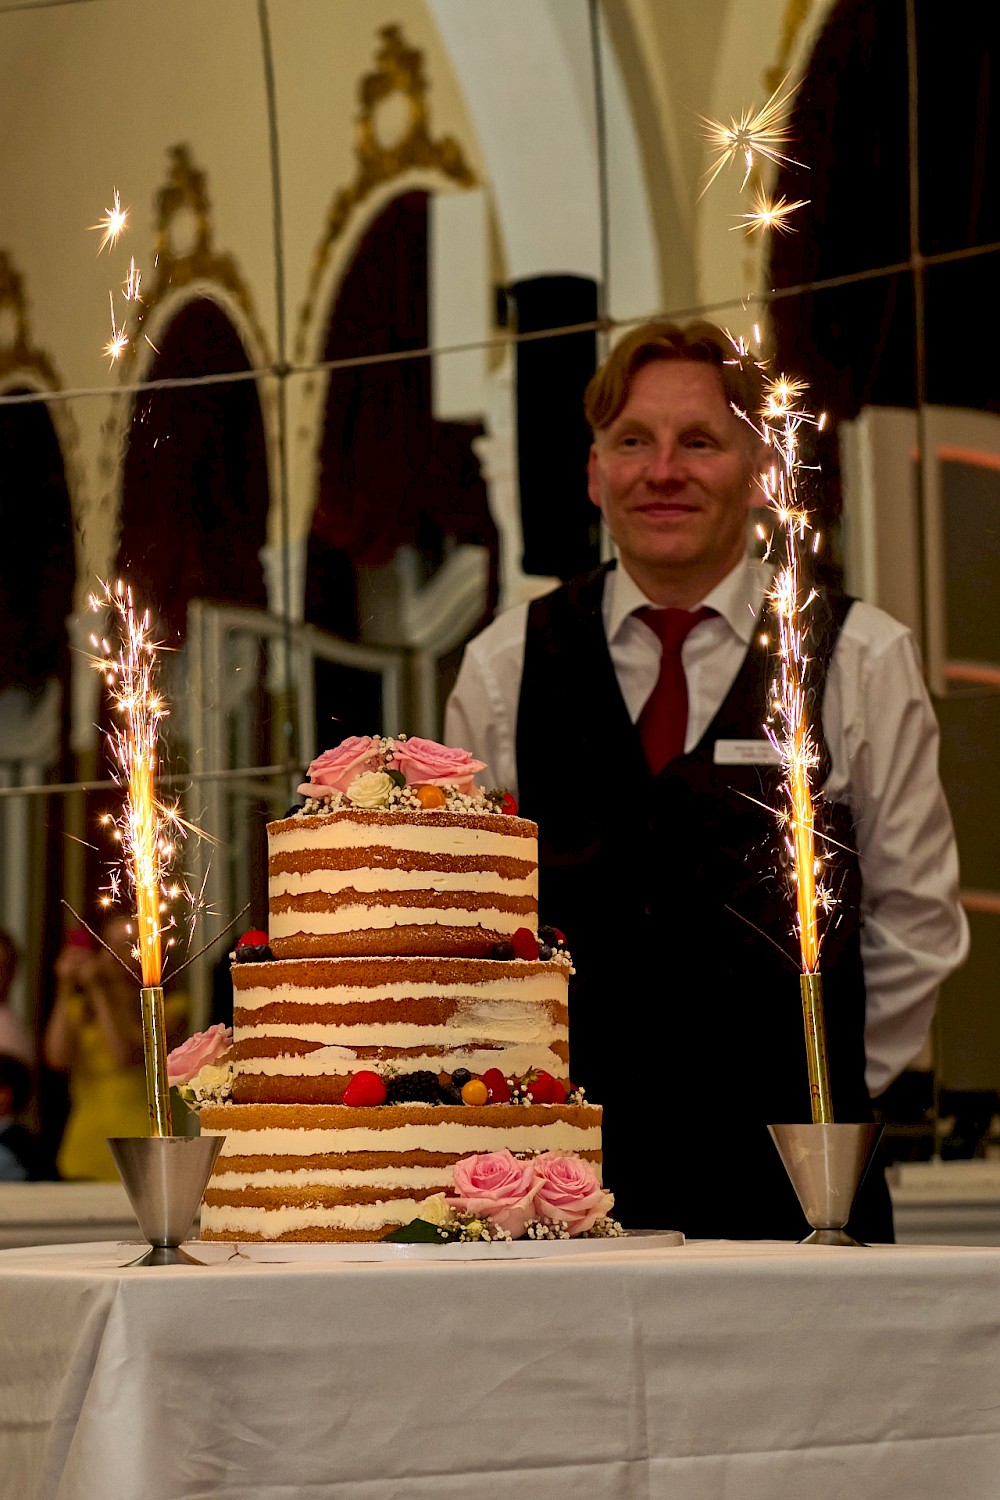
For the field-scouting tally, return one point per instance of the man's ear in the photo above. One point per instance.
(593, 476)
(763, 458)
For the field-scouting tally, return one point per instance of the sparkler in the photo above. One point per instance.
(114, 222)
(118, 342)
(764, 134)
(132, 282)
(770, 213)
(757, 133)
(789, 728)
(147, 829)
(112, 226)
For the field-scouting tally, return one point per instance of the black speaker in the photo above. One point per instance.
(561, 526)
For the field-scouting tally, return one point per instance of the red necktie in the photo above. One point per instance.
(663, 721)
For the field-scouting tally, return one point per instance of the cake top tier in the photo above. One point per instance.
(399, 774)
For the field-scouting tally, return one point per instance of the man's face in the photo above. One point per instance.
(673, 476)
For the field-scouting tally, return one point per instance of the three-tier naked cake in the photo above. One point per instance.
(404, 1013)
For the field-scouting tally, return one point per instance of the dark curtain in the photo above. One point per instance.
(855, 345)
(389, 474)
(561, 527)
(36, 575)
(195, 486)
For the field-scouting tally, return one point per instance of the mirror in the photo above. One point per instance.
(372, 254)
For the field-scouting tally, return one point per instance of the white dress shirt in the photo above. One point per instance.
(883, 741)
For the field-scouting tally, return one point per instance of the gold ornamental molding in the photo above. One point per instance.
(184, 249)
(796, 13)
(22, 363)
(17, 353)
(392, 136)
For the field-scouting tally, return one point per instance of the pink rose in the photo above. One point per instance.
(185, 1061)
(569, 1193)
(496, 1186)
(428, 762)
(338, 768)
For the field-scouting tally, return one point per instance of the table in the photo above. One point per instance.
(712, 1371)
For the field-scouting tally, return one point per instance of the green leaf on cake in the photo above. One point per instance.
(417, 1232)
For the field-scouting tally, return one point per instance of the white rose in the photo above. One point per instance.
(373, 789)
(212, 1084)
(436, 1210)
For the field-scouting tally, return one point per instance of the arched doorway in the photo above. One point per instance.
(36, 579)
(194, 481)
(391, 476)
(36, 600)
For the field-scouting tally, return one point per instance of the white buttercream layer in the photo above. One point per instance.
(457, 1140)
(490, 999)
(417, 837)
(365, 880)
(272, 1223)
(357, 918)
(334, 1060)
(438, 1178)
(536, 1030)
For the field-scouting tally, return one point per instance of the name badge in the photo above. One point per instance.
(745, 753)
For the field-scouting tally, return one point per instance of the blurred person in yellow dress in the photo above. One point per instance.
(95, 1035)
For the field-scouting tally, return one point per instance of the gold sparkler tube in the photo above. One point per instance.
(811, 987)
(154, 1046)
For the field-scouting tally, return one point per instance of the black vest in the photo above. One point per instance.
(686, 1017)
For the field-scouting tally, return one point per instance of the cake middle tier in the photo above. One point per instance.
(302, 1027)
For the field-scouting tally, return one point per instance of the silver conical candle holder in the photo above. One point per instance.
(164, 1177)
(826, 1164)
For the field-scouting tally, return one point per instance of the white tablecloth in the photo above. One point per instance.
(706, 1372)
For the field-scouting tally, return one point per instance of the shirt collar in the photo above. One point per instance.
(737, 598)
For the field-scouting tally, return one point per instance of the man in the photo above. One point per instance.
(659, 856)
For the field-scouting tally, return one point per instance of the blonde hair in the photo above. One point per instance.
(700, 342)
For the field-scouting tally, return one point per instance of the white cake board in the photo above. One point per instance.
(212, 1252)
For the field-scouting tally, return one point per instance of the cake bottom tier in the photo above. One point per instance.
(299, 1172)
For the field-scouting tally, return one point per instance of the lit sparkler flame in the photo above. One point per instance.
(147, 829)
(756, 133)
(112, 226)
(790, 728)
(132, 282)
(770, 213)
(789, 725)
(118, 342)
(114, 222)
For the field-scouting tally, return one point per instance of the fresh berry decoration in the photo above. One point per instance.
(421, 1087)
(365, 1089)
(502, 950)
(449, 1094)
(551, 937)
(430, 796)
(524, 943)
(460, 1077)
(546, 1090)
(475, 1092)
(508, 805)
(252, 947)
(498, 1089)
